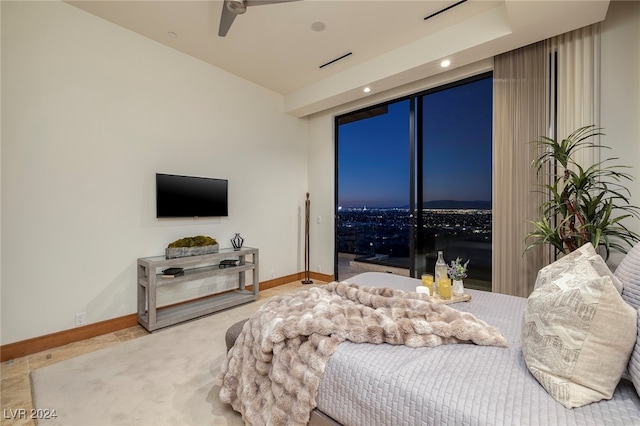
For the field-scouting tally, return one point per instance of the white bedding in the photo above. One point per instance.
(368, 385)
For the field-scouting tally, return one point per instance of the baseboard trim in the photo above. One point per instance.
(293, 277)
(61, 338)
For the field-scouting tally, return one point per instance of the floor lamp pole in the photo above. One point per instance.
(307, 204)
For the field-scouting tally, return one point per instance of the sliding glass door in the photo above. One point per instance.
(414, 177)
(453, 206)
(372, 215)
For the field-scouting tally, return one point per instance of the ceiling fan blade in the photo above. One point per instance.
(226, 19)
(231, 8)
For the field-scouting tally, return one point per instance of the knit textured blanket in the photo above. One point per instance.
(272, 374)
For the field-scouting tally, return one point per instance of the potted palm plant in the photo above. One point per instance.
(585, 204)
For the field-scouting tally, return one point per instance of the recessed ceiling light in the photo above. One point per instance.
(366, 89)
(172, 34)
(318, 26)
(445, 63)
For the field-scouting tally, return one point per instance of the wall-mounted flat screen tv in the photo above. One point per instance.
(189, 196)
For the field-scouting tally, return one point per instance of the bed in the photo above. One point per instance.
(462, 384)
(367, 384)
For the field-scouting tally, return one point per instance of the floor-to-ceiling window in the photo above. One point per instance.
(453, 208)
(414, 177)
(373, 193)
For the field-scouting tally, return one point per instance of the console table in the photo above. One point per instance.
(150, 278)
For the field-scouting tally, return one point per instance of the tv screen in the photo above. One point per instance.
(188, 196)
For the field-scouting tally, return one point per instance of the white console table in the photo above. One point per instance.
(195, 268)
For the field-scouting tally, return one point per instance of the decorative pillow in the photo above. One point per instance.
(577, 336)
(628, 271)
(634, 362)
(629, 274)
(566, 263)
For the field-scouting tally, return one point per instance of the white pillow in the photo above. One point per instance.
(566, 264)
(577, 336)
(634, 362)
(628, 272)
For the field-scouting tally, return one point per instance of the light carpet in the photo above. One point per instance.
(165, 378)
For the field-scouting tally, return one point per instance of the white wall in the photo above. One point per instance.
(620, 112)
(620, 90)
(91, 112)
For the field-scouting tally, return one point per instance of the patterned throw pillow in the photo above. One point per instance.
(566, 263)
(577, 336)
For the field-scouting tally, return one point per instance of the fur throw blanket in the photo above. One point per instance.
(272, 374)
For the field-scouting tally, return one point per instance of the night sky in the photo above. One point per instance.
(373, 157)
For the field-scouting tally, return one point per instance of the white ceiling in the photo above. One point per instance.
(390, 42)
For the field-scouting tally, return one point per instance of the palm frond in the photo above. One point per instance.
(582, 203)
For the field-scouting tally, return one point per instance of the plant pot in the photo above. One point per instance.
(172, 253)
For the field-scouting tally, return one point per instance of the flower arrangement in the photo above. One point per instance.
(457, 270)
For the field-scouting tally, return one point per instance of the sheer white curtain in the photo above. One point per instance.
(575, 78)
(520, 116)
(549, 88)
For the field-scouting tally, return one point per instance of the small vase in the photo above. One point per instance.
(237, 241)
(458, 288)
